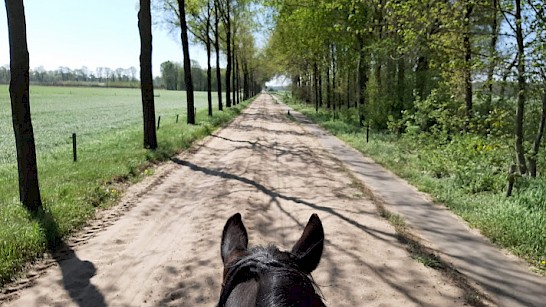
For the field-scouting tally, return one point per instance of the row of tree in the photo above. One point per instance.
(172, 77)
(446, 66)
(83, 75)
(224, 23)
(223, 27)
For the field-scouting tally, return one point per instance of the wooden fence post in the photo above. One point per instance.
(74, 147)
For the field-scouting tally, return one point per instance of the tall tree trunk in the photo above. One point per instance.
(379, 16)
(348, 88)
(492, 55)
(209, 68)
(227, 22)
(146, 78)
(467, 60)
(237, 81)
(320, 88)
(187, 62)
(233, 71)
(538, 137)
(334, 84)
(362, 72)
(240, 80)
(245, 81)
(250, 81)
(296, 86)
(401, 83)
(522, 87)
(421, 77)
(316, 86)
(328, 88)
(29, 190)
(217, 48)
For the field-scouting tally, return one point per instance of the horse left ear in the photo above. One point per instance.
(308, 249)
(234, 237)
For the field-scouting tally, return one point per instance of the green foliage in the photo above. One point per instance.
(433, 115)
(466, 172)
(110, 154)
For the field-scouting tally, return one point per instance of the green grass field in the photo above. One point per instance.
(57, 112)
(109, 128)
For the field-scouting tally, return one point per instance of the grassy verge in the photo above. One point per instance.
(467, 174)
(73, 191)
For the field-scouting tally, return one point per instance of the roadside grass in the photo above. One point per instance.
(418, 251)
(72, 191)
(467, 174)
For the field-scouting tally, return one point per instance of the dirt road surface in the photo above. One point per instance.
(160, 246)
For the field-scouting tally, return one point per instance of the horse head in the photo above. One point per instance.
(266, 276)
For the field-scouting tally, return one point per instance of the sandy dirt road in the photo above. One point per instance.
(160, 246)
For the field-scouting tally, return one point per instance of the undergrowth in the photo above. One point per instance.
(466, 172)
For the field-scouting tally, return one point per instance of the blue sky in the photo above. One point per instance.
(92, 33)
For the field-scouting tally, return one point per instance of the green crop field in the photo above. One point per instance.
(108, 123)
(57, 112)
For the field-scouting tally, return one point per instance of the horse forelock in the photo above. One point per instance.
(277, 278)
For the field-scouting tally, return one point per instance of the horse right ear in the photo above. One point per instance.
(308, 249)
(234, 237)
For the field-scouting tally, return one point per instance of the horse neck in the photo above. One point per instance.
(268, 278)
(275, 289)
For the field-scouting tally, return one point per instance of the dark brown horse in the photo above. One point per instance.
(266, 276)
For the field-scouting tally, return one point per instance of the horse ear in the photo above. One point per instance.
(308, 249)
(234, 237)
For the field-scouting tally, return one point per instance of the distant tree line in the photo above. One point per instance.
(102, 76)
(172, 76)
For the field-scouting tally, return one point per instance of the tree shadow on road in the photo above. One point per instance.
(386, 275)
(275, 195)
(76, 273)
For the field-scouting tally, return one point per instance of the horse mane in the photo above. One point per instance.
(268, 265)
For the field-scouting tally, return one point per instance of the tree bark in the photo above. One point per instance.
(348, 94)
(235, 77)
(522, 86)
(315, 85)
(362, 72)
(146, 79)
(421, 77)
(246, 89)
(29, 190)
(492, 55)
(217, 47)
(187, 63)
(538, 137)
(468, 65)
(320, 88)
(401, 83)
(328, 88)
(334, 84)
(227, 22)
(209, 68)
